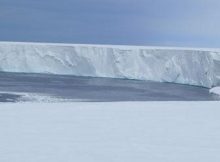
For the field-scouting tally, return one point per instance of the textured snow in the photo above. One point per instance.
(38, 98)
(199, 67)
(215, 90)
(110, 132)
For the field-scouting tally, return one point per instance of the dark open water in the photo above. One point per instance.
(97, 89)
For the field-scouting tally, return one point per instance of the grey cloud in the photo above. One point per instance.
(153, 22)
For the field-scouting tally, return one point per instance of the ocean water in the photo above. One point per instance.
(96, 89)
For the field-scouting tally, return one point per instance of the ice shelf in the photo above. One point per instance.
(200, 67)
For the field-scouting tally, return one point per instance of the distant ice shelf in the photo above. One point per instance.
(200, 67)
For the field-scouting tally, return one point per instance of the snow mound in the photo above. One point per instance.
(215, 90)
(199, 67)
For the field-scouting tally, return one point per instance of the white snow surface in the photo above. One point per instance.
(215, 90)
(199, 67)
(110, 132)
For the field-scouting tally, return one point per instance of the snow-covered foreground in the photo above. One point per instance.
(179, 65)
(117, 131)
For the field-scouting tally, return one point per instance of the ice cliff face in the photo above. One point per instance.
(199, 67)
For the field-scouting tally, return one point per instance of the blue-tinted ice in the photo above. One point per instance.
(97, 89)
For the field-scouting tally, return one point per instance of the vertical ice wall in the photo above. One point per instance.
(186, 66)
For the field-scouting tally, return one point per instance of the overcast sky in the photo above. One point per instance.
(138, 22)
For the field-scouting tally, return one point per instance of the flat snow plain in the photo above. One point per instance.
(110, 131)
